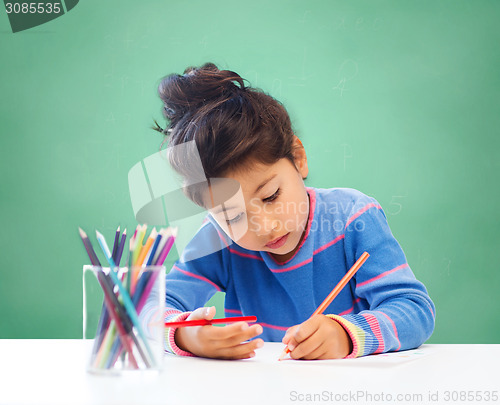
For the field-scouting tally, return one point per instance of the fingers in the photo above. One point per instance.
(240, 351)
(289, 333)
(230, 342)
(225, 342)
(234, 333)
(318, 338)
(202, 313)
(299, 333)
(307, 349)
(311, 339)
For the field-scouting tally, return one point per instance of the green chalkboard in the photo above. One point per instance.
(396, 99)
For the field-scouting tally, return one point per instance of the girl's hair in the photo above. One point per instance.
(229, 122)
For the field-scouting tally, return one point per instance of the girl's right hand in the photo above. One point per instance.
(218, 342)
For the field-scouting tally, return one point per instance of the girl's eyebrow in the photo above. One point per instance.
(264, 183)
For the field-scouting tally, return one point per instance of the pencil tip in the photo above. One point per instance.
(82, 232)
(283, 354)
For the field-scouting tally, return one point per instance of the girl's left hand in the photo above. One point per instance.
(318, 338)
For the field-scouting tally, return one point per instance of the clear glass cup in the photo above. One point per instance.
(123, 315)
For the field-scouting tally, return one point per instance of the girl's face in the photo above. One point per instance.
(270, 211)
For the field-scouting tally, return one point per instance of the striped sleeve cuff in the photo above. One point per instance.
(356, 334)
(170, 345)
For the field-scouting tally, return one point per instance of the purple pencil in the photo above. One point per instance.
(88, 247)
(115, 244)
(120, 247)
(166, 248)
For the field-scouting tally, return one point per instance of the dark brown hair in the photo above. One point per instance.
(229, 122)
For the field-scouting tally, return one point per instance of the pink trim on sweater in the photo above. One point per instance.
(348, 311)
(333, 242)
(430, 309)
(187, 273)
(292, 267)
(393, 328)
(221, 237)
(266, 325)
(233, 311)
(375, 328)
(386, 273)
(347, 327)
(362, 211)
(170, 334)
(170, 312)
(247, 255)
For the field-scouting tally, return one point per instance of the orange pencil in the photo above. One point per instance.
(328, 300)
(144, 250)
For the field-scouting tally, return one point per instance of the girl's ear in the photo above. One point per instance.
(300, 158)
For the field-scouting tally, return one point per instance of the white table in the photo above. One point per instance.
(53, 372)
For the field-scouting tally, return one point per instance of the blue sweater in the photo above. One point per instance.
(383, 308)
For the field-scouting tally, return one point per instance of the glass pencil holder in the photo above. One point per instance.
(123, 318)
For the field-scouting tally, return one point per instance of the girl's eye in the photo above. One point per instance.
(235, 219)
(273, 197)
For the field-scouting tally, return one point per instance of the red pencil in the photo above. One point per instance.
(203, 322)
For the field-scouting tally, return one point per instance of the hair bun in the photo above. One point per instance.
(197, 87)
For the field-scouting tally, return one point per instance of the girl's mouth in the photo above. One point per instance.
(278, 242)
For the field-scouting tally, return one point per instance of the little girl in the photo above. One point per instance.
(292, 243)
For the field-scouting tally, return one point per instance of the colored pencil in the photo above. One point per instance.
(146, 248)
(111, 329)
(141, 301)
(88, 247)
(165, 234)
(129, 306)
(119, 322)
(139, 291)
(137, 269)
(109, 297)
(104, 318)
(120, 247)
(166, 248)
(133, 268)
(203, 322)
(109, 305)
(130, 262)
(336, 290)
(152, 251)
(116, 243)
(139, 238)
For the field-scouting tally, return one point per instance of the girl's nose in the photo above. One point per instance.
(266, 225)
